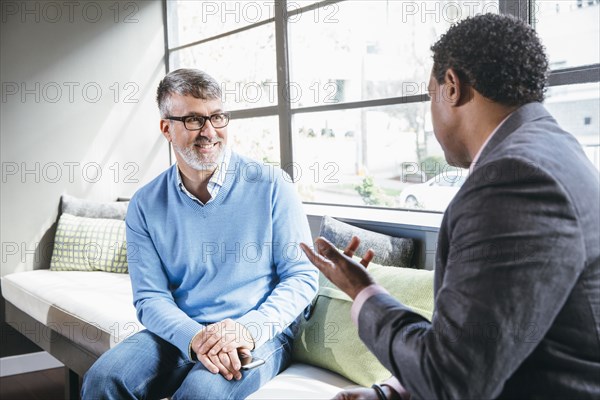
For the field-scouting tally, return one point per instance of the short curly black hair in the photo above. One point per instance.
(500, 56)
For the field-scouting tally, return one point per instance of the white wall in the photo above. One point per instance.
(58, 132)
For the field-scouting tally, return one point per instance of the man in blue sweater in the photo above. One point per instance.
(214, 261)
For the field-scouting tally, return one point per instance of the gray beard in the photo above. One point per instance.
(193, 160)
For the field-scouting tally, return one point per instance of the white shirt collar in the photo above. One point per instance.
(476, 158)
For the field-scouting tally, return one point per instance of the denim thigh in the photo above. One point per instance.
(142, 366)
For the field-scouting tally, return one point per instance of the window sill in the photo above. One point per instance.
(427, 221)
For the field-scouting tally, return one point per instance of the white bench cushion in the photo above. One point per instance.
(95, 310)
(303, 381)
(92, 308)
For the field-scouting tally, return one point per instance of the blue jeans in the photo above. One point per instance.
(145, 366)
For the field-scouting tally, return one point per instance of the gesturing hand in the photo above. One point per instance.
(350, 276)
(366, 394)
(357, 394)
(217, 347)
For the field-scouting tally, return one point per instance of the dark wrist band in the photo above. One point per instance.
(394, 394)
(380, 394)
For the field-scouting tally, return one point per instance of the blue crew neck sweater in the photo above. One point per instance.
(235, 257)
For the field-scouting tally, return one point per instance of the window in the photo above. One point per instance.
(234, 41)
(247, 73)
(572, 106)
(569, 29)
(193, 21)
(367, 52)
(335, 91)
(365, 156)
(258, 138)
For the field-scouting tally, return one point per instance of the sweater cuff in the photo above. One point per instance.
(183, 336)
(191, 353)
(261, 329)
(362, 297)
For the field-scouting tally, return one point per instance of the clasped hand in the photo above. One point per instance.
(219, 346)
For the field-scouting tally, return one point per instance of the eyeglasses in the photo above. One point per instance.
(196, 122)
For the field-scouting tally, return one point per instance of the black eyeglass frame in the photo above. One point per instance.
(204, 118)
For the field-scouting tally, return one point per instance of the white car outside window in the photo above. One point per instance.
(436, 193)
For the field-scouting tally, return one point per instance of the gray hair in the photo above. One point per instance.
(186, 82)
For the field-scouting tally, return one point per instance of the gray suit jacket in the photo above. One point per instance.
(517, 278)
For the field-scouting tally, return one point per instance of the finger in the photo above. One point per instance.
(368, 257)
(235, 346)
(236, 364)
(324, 265)
(208, 364)
(216, 360)
(318, 260)
(228, 364)
(352, 246)
(220, 345)
(356, 394)
(209, 334)
(244, 352)
(208, 343)
(229, 361)
(214, 334)
(326, 249)
(341, 396)
(312, 256)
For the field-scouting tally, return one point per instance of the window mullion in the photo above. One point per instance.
(519, 8)
(283, 82)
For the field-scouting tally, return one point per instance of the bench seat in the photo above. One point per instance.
(93, 311)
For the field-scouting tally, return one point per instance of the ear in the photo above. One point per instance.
(165, 127)
(454, 90)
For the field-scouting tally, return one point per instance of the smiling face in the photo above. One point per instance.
(198, 150)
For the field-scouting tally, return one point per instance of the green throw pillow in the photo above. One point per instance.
(89, 244)
(329, 339)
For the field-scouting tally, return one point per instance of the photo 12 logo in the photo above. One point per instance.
(54, 12)
(316, 92)
(68, 171)
(445, 11)
(71, 92)
(256, 11)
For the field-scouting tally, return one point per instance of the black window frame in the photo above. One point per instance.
(522, 9)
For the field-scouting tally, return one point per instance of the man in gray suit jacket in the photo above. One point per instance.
(517, 275)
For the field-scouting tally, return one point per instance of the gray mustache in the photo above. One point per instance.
(204, 140)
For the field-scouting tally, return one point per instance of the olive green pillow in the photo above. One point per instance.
(329, 339)
(89, 244)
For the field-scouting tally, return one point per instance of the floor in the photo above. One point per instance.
(42, 385)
